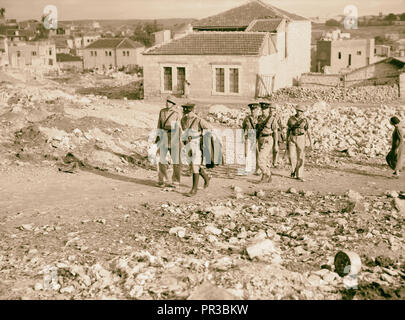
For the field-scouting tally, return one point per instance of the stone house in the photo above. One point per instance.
(339, 56)
(32, 53)
(108, 53)
(246, 52)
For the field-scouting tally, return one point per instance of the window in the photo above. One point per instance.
(359, 53)
(50, 52)
(350, 59)
(226, 79)
(50, 62)
(128, 53)
(375, 51)
(109, 53)
(234, 80)
(91, 53)
(18, 54)
(181, 77)
(123, 53)
(219, 79)
(34, 53)
(167, 79)
(340, 55)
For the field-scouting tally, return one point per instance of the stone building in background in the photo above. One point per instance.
(248, 51)
(108, 53)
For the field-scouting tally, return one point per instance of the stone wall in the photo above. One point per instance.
(200, 74)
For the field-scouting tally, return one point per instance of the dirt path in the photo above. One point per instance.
(32, 189)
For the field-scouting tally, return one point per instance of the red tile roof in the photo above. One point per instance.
(242, 16)
(119, 43)
(264, 25)
(213, 43)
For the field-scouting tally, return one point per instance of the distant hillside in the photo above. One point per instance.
(166, 23)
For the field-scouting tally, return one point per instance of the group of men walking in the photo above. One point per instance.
(269, 135)
(181, 135)
(178, 129)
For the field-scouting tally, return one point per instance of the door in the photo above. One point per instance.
(181, 77)
(265, 85)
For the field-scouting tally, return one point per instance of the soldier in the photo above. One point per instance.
(193, 127)
(267, 136)
(278, 135)
(250, 123)
(169, 123)
(297, 130)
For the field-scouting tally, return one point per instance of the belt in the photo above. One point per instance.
(266, 135)
(297, 135)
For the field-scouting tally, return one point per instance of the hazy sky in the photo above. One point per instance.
(150, 9)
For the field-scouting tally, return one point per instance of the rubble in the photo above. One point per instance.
(260, 249)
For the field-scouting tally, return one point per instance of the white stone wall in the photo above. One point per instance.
(199, 72)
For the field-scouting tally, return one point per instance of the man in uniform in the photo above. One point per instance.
(267, 136)
(278, 135)
(297, 130)
(168, 141)
(193, 127)
(250, 123)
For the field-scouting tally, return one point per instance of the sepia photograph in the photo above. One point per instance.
(169, 151)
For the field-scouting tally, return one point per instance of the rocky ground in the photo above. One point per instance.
(81, 218)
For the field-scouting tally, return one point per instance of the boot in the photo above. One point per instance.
(194, 189)
(206, 178)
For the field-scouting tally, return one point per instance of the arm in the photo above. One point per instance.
(309, 134)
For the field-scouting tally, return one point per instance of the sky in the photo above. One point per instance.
(162, 9)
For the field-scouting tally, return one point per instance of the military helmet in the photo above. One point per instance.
(300, 108)
(171, 99)
(253, 105)
(266, 105)
(188, 106)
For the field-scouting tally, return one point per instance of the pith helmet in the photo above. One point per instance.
(300, 108)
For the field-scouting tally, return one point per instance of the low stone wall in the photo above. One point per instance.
(374, 94)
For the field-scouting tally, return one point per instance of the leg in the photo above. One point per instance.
(205, 176)
(175, 155)
(300, 156)
(276, 149)
(292, 153)
(263, 158)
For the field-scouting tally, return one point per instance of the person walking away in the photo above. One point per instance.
(193, 127)
(250, 123)
(297, 131)
(395, 156)
(169, 143)
(267, 129)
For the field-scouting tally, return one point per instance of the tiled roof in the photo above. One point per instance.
(64, 57)
(264, 25)
(120, 43)
(242, 16)
(213, 43)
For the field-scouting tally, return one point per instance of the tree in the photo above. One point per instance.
(391, 17)
(143, 33)
(332, 23)
(42, 32)
(402, 16)
(2, 12)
